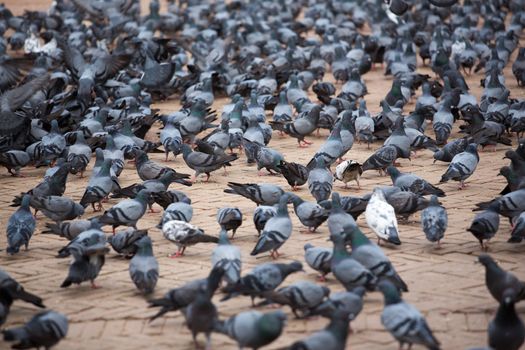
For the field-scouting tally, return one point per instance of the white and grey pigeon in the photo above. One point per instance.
(434, 220)
(184, 234)
(381, 218)
(144, 267)
(20, 227)
(403, 320)
(462, 166)
(276, 230)
(227, 257)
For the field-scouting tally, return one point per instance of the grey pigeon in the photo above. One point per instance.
(183, 296)
(176, 211)
(462, 165)
(230, 219)
(413, 183)
(79, 155)
(311, 215)
(165, 198)
(442, 122)
(204, 163)
(45, 329)
(332, 337)
(261, 194)
(253, 329)
(447, 152)
(70, 229)
(510, 205)
(57, 208)
(381, 159)
(171, 139)
(319, 259)
(20, 227)
(301, 126)
(150, 170)
(184, 234)
(143, 267)
(485, 225)
(399, 139)
(263, 278)
(330, 150)
(11, 290)
(518, 232)
(373, 258)
(320, 181)
(434, 220)
(126, 212)
(403, 320)
(506, 330)
(339, 220)
(349, 302)
(261, 215)
(348, 271)
(124, 241)
(52, 145)
(276, 230)
(227, 257)
(301, 296)
(99, 187)
(201, 315)
(14, 160)
(499, 281)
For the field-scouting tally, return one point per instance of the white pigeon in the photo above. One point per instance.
(381, 218)
(184, 234)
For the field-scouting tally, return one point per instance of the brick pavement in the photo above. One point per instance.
(444, 284)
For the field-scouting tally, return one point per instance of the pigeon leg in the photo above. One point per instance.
(208, 341)
(177, 254)
(378, 241)
(225, 172)
(166, 159)
(95, 286)
(321, 278)
(207, 177)
(295, 188)
(358, 185)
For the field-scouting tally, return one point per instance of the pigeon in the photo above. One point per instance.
(79, 155)
(348, 271)
(510, 205)
(349, 302)
(201, 315)
(447, 153)
(261, 194)
(184, 234)
(518, 232)
(339, 220)
(171, 140)
(373, 258)
(88, 251)
(263, 278)
(330, 150)
(413, 183)
(57, 208)
(45, 329)
(124, 241)
(485, 225)
(276, 231)
(230, 219)
(500, 282)
(14, 160)
(227, 257)
(301, 126)
(115, 154)
(381, 218)
(11, 290)
(99, 187)
(261, 215)
(253, 329)
(348, 170)
(506, 330)
(52, 145)
(301, 296)
(381, 159)
(165, 198)
(20, 227)
(434, 220)
(462, 165)
(126, 212)
(295, 174)
(183, 296)
(311, 215)
(403, 320)
(442, 121)
(332, 337)
(70, 229)
(176, 211)
(149, 170)
(399, 139)
(144, 267)
(319, 259)
(320, 181)
(204, 163)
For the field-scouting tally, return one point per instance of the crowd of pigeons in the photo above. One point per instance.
(78, 82)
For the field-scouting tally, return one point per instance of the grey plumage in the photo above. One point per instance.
(205, 163)
(184, 234)
(126, 212)
(319, 259)
(506, 330)
(99, 187)
(70, 229)
(143, 267)
(14, 160)
(381, 159)
(20, 227)
(229, 219)
(227, 257)
(434, 220)
(349, 302)
(339, 220)
(261, 194)
(484, 226)
(320, 181)
(57, 208)
(311, 215)
(124, 242)
(261, 215)
(413, 183)
(176, 211)
(462, 165)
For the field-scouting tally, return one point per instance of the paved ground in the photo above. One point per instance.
(445, 284)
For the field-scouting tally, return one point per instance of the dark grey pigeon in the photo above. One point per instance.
(311, 215)
(261, 194)
(381, 159)
(204, 163)
(11, 290)
(462, 165)
(230, 219)
(20, 227)
(253, 329)
(413, 183)
(348, 271)
(434, 220)
(45, 329)
(57, 208)
(485, 226)
(295, 174)
(510, 205)
(201, 315)
(301, 296)
(276, 231)
(126, 212)
(403, 320)
(263, 278)
(320, 181)
(319, 259)
(143, 267)
(330, 150)
(261, 215)
(181, 297)
(124, 241)
(499, 281)
(301, 126)
(506, 330)
(165, 198)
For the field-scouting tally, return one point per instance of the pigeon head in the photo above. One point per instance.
(308, 246)
(336, 200)
(186, 149)
(271, 324)
(439, 155)
(486, 260)
(390, 291)
(144, 245)
(393, 172)
(433, 200)
(508, 297)
(505, 171)
(26, 199)
(294, 266)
